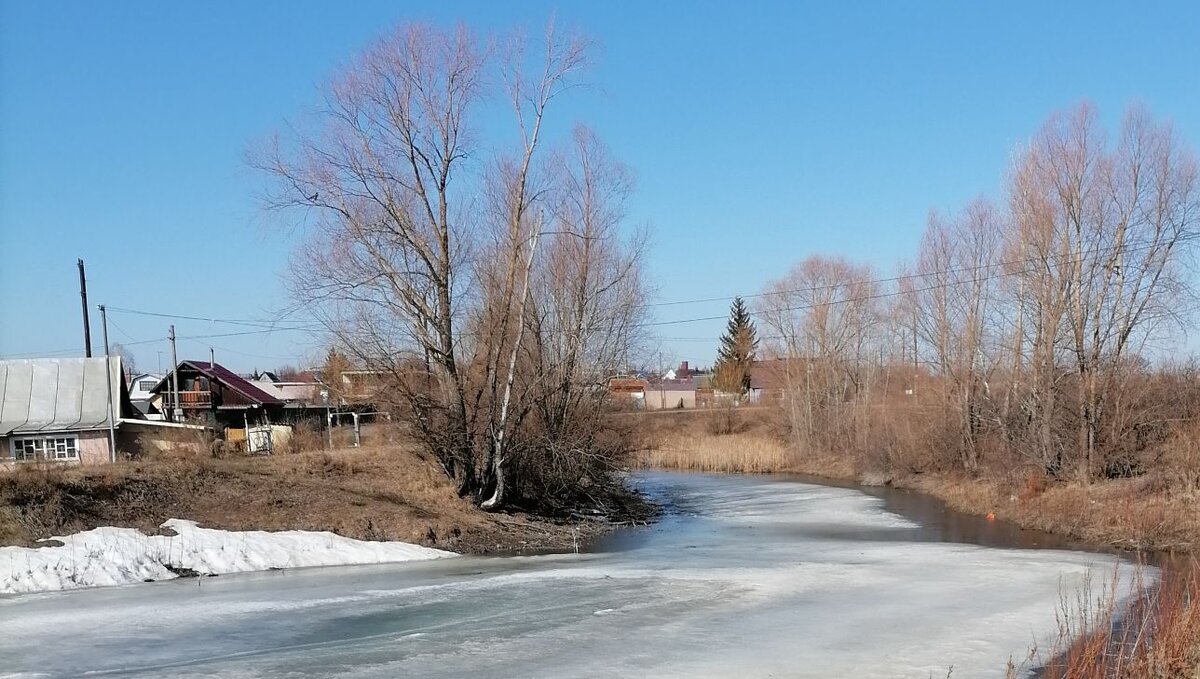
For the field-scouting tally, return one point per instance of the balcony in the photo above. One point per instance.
(188, 399)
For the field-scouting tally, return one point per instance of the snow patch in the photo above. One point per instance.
(120, 556)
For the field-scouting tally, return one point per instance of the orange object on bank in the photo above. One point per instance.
(991, 516)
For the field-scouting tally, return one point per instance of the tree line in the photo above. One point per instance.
(1034, 329)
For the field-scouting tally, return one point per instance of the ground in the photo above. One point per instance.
(383, 493)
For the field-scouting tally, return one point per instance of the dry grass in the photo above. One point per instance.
(1153, 635)
(749, 453)
(1124, 513)
(1158, 511)
(376, 493)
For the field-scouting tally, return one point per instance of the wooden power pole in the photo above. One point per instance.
(87, 327)
(177, 410)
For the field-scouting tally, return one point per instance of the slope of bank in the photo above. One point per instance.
(1147, 513)
(386, 494)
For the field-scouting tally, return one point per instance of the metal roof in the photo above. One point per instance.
(220, 373)
(57, 394)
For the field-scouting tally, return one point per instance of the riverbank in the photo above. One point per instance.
(375, 494)
(1148, 513)
(1153, 635)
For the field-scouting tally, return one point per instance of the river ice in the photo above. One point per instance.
(747, 576)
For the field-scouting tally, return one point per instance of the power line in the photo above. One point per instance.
(254, 323)
(903, 277)
(928, 274)
(200, 337)
(269, 326)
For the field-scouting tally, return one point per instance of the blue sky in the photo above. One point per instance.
(760, 133)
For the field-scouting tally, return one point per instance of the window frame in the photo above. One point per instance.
(44, 447)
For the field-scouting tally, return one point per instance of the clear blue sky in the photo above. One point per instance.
(760, 133)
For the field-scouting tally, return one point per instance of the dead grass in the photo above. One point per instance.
(1153, 512)
(1154, 635)
(376, 493)
(748, 453)
(1136, 514)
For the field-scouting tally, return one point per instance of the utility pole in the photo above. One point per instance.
(177, 411)
(87, 327)
(112, 421)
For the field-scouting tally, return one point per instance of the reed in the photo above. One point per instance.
(1154, 634)
(740, 453)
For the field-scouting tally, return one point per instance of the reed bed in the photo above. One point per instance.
(740, 453)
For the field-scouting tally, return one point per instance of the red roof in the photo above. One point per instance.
(220, 373)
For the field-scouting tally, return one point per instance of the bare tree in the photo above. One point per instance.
(952, 292)
(421, 258)
(820, 318)
(1109, 226)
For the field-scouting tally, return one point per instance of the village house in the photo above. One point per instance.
(683, 387)
(213, 395)
(662, 393)
(768, 378)
(141, 394)
(628, 391)
(301, 388)
(61, 409)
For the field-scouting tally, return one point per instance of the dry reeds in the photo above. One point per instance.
(1153, 633)
(746, 453)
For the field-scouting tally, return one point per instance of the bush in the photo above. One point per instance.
(725, 421)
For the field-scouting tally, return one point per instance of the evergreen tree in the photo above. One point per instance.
(736, 353)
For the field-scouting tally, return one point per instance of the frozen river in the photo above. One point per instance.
(745, 576)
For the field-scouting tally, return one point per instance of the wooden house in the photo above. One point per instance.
(211, 394)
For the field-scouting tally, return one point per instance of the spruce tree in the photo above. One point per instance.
(736, 353)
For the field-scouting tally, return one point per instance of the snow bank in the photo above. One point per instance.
(120, 556)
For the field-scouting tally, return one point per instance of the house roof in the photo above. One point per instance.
(220, 373)
(58, 394)
(626, 383)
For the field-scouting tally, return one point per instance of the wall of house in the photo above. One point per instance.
(659, 400)
(93, 449)
(141, 440)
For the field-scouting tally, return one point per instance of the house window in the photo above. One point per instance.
(31, 448)
(146, 385)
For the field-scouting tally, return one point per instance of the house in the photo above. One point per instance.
(770, 378)
(705, 395)
(628, 389)
(302, 388)
(360, 386)
(61, 409)
(211, 394)
(662, 393)
(141, 394)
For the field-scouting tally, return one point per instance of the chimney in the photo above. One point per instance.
(683, 370)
